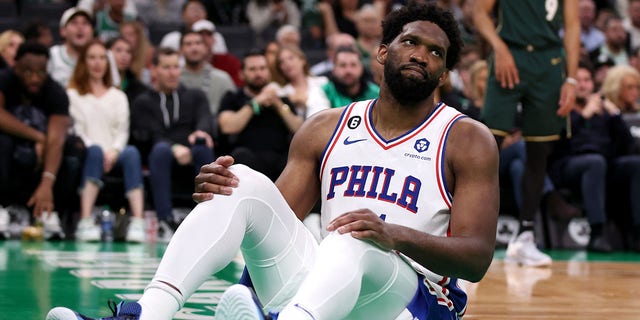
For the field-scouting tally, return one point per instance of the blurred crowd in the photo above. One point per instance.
(106, 116)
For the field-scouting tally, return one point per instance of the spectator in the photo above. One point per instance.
(334, 41)
(35, 165)
(197, 72)
(100, 114)
(622, 87)
(192, 11)
(614, 46)
(470, 36)
(590, 36)
(173, 126)
(40, 32)
(141, 49)
(599, 148)
(121, 51)
(109, 18)
(369, 26)
(302, 89)
(632, 24)
(601, 69)
(10, 40)
(223, 61)
(267, 16)
(288, 35)
(348, 82)
(260, 122)
(271, 53)
(153, 12)
(339, 16)
(76, 29)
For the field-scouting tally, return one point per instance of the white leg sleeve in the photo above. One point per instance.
(278, 250)
(353, 279)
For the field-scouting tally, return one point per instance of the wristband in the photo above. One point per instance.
(256, 107)
(47, 174)
(571, 80)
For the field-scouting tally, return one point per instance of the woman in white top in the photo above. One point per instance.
(303, 89)
(100, 113)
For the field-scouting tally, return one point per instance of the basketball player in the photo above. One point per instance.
(409, 191)
(534, 67)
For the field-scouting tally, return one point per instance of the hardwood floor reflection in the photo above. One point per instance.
(566, 290)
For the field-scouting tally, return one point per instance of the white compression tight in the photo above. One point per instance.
(277, 248)
(353, 279)
(341, 278)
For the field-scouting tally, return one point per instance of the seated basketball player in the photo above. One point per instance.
(409, 191)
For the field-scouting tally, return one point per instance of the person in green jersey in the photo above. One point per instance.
(534, 67)
(348, 82)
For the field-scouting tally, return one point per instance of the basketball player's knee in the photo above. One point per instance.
(249, 177)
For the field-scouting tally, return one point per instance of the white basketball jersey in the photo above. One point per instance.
(402, 179)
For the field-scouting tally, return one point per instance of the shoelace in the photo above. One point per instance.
(113, 306)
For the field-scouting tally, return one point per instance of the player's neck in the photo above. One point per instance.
(392, 118)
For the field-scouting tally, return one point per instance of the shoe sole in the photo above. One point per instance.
(237, 303)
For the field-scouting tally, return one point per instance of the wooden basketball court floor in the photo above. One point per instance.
(34, 276)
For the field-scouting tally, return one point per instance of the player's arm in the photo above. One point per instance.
(472, 172)
(300, 180)
(572, 51)
(504, 65)
(472, 162)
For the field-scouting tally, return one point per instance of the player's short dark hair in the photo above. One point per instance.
(395, 21)
(249, 54)
(162, 51)
(32, 47)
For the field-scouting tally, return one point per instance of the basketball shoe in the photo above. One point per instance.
(523, 251)
(5, 218)
(240, 303)
(121, 311)
(51, 226)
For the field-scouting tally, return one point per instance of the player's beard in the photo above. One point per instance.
(408, 90)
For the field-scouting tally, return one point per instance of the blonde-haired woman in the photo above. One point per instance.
(302, 89)
(142, 49)
(10, 40)
(100, 114)
(622, 87)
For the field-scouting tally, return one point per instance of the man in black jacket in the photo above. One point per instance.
(172, 127)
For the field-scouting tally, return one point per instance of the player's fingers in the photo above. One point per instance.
(201, 197)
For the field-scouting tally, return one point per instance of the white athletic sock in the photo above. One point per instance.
(158, 304)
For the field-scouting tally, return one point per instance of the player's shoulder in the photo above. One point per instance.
(471, 135)
(316, 131)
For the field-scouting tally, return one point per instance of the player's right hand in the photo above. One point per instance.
(505, 67)
(215, 178)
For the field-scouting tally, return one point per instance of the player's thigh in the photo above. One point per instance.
(500, 107)
(539, 118)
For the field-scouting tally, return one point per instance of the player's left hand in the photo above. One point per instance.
(364, 224)
(567, 99)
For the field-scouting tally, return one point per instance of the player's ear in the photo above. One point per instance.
(443, 77)
(381, 57)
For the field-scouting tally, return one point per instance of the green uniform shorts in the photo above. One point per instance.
(542, 74)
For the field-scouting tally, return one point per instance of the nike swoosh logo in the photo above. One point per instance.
(348, 142)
